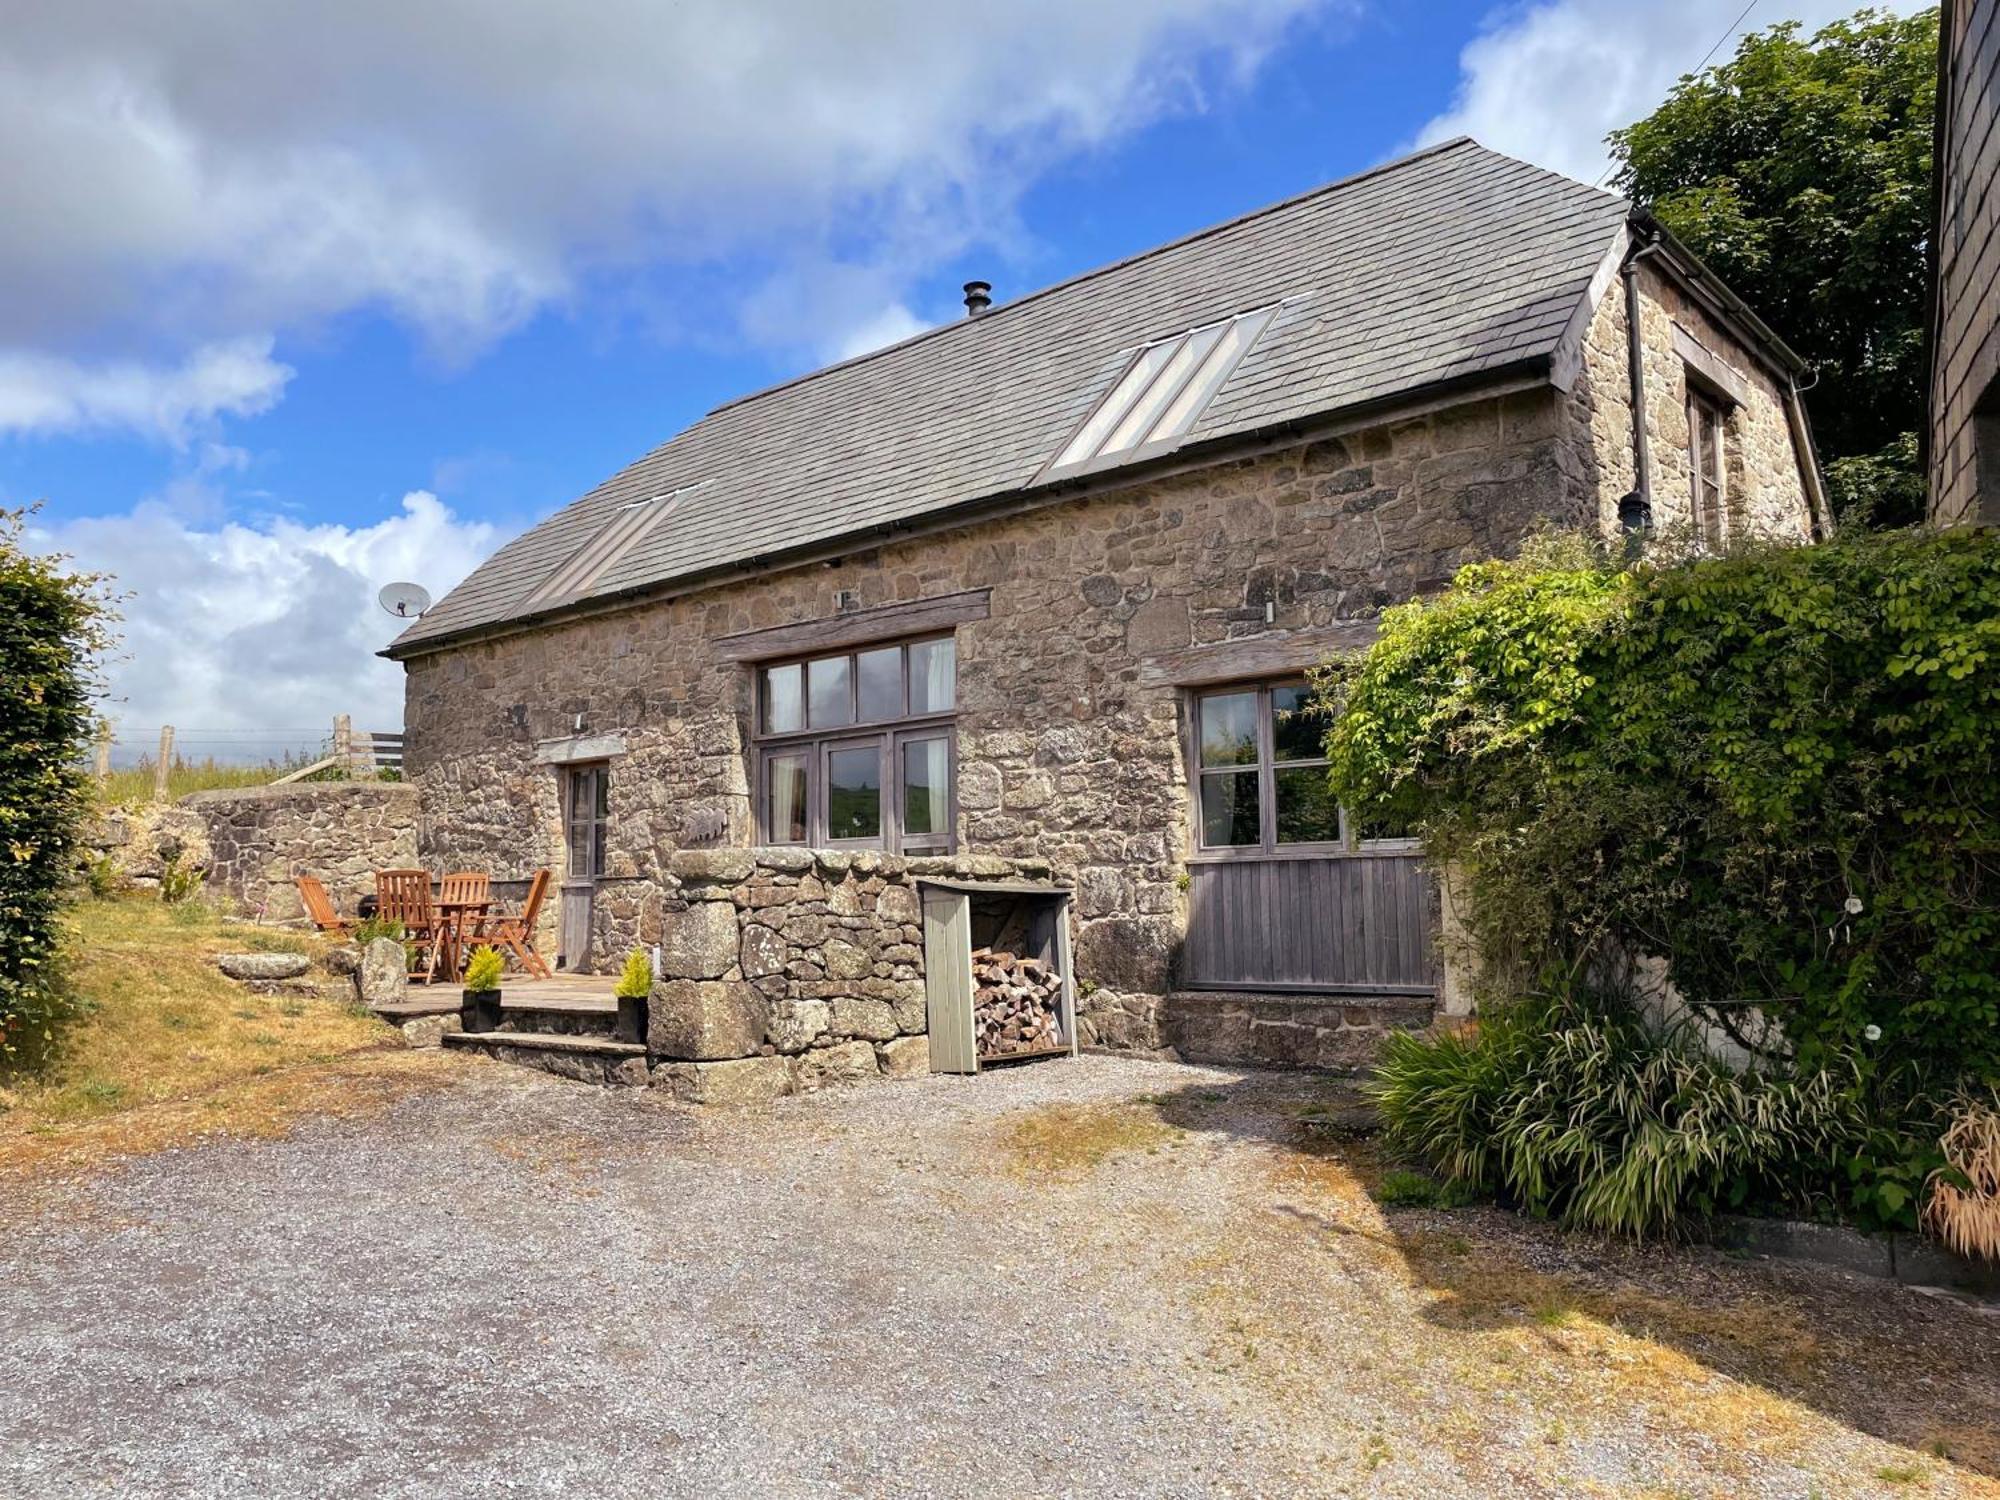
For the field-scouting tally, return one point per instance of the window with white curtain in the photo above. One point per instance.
(855, 748)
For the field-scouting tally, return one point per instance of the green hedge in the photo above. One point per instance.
(1779, 771)
(52, 625)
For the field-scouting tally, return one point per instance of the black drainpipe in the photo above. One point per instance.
(1635, 509)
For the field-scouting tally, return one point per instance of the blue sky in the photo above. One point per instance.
(288, 311)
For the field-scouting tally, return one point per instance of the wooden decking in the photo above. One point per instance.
(581, 992)
(574, 994)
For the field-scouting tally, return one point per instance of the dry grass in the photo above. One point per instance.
(171, 1050)
(1067, 1139)
(1967, 1219)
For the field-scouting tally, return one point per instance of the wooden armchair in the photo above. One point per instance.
(516, 935)
(319, 906)
(405, 896)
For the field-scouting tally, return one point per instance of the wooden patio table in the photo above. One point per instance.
(458, 918)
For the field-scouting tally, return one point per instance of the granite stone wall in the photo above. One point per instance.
(1069, 709)
(259, 838)
(1765, 494)
(1068, 742)
(784, 970)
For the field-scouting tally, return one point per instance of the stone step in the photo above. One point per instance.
(1340, 1033)
(589, 1059)
(552, 1016)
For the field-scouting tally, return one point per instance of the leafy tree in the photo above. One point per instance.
(1800, 171)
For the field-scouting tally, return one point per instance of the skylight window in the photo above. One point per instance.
(630, 524)
(1167, 387)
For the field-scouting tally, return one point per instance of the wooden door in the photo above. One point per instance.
(948, 980)
(1358, 922)
(586, 813)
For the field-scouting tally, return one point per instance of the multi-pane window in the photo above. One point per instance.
(855, 749)
(1261, 773)
(587, 810)
(1706, 425)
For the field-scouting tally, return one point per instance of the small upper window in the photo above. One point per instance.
(1167, 386)
(1706, 426)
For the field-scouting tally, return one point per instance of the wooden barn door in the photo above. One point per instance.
(586, 809)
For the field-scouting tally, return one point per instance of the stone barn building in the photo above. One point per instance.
(1030, 597)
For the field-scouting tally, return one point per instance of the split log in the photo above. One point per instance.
(1017, 1005)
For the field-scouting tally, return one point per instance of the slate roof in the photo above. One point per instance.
(1451, 263)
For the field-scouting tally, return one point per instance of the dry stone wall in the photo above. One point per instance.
(785, 970)
(249, 844)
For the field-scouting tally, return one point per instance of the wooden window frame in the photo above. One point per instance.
(1708, 436)
(1266, 766)
(598, 822)
(886, 735)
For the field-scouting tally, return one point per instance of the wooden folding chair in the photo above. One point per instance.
(319, 906)
(463, 899)
(516, 935)
(464, 888)
(405, 896)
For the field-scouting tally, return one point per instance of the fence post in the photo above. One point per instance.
(166, 759)
(101, 767)
(343, 743)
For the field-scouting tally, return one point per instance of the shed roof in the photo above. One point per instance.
(1450, 264)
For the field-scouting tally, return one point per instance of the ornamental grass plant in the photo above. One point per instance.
(1580, 1109)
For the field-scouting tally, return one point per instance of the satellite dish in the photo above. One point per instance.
(405, 600)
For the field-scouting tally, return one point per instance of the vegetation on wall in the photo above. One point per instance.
(52, 627)
(1799, 170)
(1775, 773)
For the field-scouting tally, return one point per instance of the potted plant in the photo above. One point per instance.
(479, 1007)
(635, 985)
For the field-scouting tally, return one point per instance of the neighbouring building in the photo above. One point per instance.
(1034, 593)
(1964, 437)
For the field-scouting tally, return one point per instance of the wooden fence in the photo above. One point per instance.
(355, 752)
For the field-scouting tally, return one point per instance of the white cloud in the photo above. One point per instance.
(891, 325)
(197, 173)
(1547, 82)
(44, 393)
(242, 635)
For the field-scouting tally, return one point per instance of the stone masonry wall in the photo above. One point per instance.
(784, 970)
(260, 838)
(1064, 754)
(1764, 493)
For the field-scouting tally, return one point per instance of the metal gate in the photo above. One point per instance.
(1363, 922)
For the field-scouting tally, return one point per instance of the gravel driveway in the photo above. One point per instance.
(1094, 1277)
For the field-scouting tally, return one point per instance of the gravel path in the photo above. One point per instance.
(517, 1285)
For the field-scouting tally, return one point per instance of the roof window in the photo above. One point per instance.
(630, 524)
(1167, 386)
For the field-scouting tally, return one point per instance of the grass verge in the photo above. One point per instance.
(169, 1050)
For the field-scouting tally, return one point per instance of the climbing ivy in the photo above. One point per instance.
(1777, 771)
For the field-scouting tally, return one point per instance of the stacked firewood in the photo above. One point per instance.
(1016, 1003)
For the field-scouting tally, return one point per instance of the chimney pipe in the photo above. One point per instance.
(978, 297)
